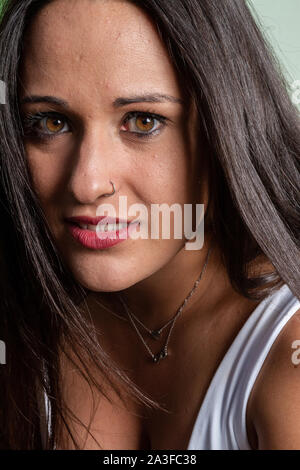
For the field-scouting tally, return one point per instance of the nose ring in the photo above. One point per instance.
(114, 190)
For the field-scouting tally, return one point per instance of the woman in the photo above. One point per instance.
(162, 103)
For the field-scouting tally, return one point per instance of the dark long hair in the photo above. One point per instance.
(252, 136)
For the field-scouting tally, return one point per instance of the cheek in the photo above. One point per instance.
(164, 177)
(47, 176)
(46, 171)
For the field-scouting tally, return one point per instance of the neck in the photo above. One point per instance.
(156, 299)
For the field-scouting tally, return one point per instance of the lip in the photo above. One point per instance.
(98, 240)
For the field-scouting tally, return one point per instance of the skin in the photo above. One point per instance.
(90, 69)
(89, 54)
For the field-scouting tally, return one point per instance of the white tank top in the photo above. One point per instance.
(221, 420)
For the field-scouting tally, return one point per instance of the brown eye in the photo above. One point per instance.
(54, 124)
(145, 123)
(44, 125)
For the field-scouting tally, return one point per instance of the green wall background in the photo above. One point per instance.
(280, 22)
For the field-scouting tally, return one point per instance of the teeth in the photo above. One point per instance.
(111, 227)
(104, 227)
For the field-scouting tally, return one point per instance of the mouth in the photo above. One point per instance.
(99, 224)
(99, 232)
(102, 227)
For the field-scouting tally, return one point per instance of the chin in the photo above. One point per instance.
(102, 281)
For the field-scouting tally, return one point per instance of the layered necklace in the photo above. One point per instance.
(156, 333)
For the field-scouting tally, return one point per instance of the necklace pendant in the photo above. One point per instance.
(155, 334)
(161, 355)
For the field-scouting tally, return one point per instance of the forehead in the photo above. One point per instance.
(111, 43)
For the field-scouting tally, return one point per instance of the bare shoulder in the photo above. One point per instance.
(274, 403)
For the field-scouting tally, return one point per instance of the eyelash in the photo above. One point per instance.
(31, 119)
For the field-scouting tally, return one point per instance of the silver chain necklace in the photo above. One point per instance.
(156, 332)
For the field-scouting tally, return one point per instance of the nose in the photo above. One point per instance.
(92, 168)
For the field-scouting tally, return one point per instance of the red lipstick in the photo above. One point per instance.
(99, 233)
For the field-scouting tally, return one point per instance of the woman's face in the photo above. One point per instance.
(89, 54)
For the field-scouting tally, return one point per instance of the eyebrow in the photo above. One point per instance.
(119, 102)
(147, 98)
